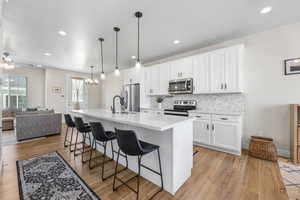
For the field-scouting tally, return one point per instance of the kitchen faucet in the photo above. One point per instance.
(113, 108)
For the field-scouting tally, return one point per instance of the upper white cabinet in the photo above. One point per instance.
(157, 79)
(164, 77)
(218, 71)
(225, 70)
(132, 75)
(201, 72)
(182, 68)
(152, 80)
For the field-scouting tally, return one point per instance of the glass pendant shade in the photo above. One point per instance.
(117, 72)
(102, 76)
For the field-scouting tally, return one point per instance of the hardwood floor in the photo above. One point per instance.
(215, 175)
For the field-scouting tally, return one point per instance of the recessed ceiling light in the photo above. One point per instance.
(266, 10)
(47, 54)
(297, 61)
(63, 33)
(176, 41)
(133, 57)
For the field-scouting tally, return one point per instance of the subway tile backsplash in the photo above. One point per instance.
(208, 102)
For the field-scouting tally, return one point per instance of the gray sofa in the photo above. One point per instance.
(34, 124)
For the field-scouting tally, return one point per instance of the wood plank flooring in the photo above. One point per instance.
(215, 175)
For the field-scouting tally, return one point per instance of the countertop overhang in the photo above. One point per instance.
(157, 122)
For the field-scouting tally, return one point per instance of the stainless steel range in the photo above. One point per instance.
(181, 108)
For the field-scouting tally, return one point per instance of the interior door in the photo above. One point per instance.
(202, 131)
(201, 71)
(225, 135)
(217, 71)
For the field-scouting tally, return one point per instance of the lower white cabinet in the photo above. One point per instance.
(219, 132)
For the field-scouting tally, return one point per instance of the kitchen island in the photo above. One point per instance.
(174, 135)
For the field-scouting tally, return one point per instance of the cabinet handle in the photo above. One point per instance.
(198, 116)
(207, 127)
(224, 118)
(213, 127)
(222, 86)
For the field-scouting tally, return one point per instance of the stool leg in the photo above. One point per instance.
(114, 183)
(103, 161)
(161, 175)
(138, 178)
(83, 147)
(76, 140)
(112, 150)
(71, 141)
(65, 145)
(91, 153)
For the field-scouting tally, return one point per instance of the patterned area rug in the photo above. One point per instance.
(291, 178)
(50, 177)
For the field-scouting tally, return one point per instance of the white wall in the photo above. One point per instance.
(58, 78)
(35, 84)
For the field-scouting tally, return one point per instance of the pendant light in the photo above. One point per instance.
(138, 63)
(102, 76)
(117, 70)
(92, 80)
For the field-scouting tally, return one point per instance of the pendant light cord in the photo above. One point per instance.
(117, 50)
(138, 40)
(101, 55)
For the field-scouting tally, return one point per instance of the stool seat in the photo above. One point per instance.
(110, 135)
(147, 147)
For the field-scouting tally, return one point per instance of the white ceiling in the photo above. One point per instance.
(31, 27)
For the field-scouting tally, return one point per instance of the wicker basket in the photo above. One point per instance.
(263, 148)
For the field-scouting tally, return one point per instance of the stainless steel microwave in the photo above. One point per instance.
(181, 86)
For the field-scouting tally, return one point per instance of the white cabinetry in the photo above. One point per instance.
(152, 80)
(132, 75)
(201, 71)
(157, 79)
(219, 132)
(225, 70)
(182, 68)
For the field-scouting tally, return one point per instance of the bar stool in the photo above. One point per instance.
(130, 145)
(85, 130)
(102, 137)
(70, 124)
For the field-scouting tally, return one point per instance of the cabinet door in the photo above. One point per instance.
(182, 68)
(164, 77)
(226, 135)
(201, 73)
(201, 131)
(232, 61)
(152, 80)
(217, 71)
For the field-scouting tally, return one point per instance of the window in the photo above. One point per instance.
(13, 91)
(77, 90)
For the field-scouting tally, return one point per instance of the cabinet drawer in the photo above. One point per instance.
(226, 118)
(200, 116)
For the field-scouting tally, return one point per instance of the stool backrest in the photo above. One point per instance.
(79, 124)
(69, 121)
(128, 142)
(98, 131)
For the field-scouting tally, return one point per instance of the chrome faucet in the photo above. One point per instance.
(113, 108)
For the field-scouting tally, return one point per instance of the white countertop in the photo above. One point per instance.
(144, 120)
